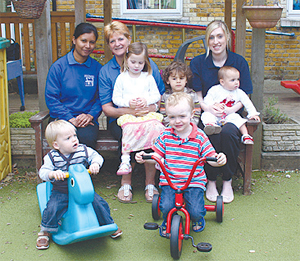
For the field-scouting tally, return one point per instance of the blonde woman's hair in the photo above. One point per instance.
(137, 48)
(179, 67)
(177, 97)
(223, 70)
(212, 26)
(56, 128)
(115, 27)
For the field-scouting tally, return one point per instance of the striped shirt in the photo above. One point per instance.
(180, 155)
(55, 160)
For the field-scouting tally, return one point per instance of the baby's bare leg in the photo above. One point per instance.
(243, 129)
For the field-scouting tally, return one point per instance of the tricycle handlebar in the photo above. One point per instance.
(211, 159)
(147, 157)
(203, 159)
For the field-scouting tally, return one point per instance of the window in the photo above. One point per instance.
(151, 8)
(293, 8)
(292, 14)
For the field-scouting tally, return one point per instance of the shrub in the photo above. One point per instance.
(273, 115)
(21, 119)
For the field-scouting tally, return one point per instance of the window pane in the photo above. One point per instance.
(151, 4)
(168, 4)
(296, 5)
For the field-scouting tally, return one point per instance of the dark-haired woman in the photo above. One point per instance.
(71, 91)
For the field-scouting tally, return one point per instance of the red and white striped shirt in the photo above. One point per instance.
(180, 155)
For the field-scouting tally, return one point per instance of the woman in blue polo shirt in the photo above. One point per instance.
(118, 38)
(72, 86)
(205, 69)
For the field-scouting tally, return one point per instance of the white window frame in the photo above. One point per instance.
(151, 13)
(290, 12)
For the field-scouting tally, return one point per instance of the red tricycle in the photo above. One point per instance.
(175, 231)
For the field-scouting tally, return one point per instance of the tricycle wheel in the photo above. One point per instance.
(176, 236)
(219, 209)
(155, 207)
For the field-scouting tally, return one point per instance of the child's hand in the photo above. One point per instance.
(139, 157)
(255, 117)
(94, 168)
(221, 159)
(141, 102)
(132, 103)
(57, 175)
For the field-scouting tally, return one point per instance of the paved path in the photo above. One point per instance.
(288, 100)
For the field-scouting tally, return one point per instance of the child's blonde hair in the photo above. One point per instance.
(177, 97)
(180, 68)
(137, 48)
(56, 128)
(223, 70)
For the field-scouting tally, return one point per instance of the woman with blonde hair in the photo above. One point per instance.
(205, 68)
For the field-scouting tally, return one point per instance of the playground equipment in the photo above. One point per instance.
(294, 85)
(80, 221)
(5, 151)
(175, 231)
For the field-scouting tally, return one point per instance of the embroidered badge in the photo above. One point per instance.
(89, 80)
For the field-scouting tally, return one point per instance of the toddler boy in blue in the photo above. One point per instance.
(61, 135)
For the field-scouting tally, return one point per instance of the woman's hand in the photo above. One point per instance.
(217, 110)
(73, 121)
(84, 120)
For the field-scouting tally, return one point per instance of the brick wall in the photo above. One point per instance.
(22, 141)
(281, 137)
(282, 53)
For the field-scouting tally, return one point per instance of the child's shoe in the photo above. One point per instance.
(163, 229)
(212, 129)
(199, 225)
(124, 169)
(42, 241)
(118, 233)
(247, 139)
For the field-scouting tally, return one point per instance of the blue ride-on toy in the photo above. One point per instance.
(80, 221)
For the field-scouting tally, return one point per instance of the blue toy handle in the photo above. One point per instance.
(67, 174)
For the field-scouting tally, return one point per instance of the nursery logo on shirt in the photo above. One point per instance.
(89, 80)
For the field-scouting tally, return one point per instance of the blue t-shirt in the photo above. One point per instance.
(109, 73)
(206, 73)
(72, 88)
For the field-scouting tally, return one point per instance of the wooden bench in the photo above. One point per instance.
(107, 143)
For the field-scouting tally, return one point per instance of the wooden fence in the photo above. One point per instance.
(62, 23)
